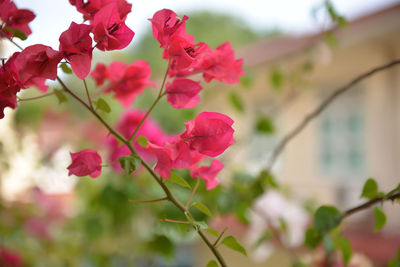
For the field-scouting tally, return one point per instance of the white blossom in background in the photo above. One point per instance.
(270, 209)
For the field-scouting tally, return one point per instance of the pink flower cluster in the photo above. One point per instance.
(206, 137)
(39, 62)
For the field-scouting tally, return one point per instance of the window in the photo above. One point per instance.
(341, 150)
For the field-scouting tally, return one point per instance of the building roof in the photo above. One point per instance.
(360, 29)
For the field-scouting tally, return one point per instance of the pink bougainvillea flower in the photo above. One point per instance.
(85, 162)
(99, 74)
(76, 46)
(208, 173)
(183, 52)
(128, 81)
(10, 258)
(220, 64)
(166, 23)
(210, 133)
(90, 8)
(126, 126)
(183, 93)
(109, 29)
(172, 155)
(37, 61)
(15, 18)
(9, 85)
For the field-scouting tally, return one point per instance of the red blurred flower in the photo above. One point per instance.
(210, 133)
(128, 81)
(126, 126)
(183, 93)
(76, 46)
(10, 258)
(90, 8)
(165, 24)
(208, 173)
(9, 85)
(99, 74)
(85, 162)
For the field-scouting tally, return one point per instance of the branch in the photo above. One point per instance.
(370, 203)
(311, 116)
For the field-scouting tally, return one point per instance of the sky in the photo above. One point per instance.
(294, 16)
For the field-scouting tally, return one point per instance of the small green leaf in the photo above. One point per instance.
(60, 96)
(264, 237)
(16, 33)
(313, 238)
(232, 243)
(130, 163)
(370, 189)
(203, 208)
(265, 125)
(102, 105)
(175, 178)
(276, 78)
(212, 263)
(380, 219)
(65, 68)
(326, 218)
(212, 231)
(345, 247)
(142, 141)
(397, 189)
(236, 101)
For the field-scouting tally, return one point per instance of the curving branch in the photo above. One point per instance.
(370, 203)
(321, 107)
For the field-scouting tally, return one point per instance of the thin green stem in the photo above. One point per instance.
(219, 237)
(160, 95)
(174, 221)
(88, 95)
(192, 193)
(35, 97)
(148, 201)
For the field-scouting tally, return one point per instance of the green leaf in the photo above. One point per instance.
(397, 189)
(130, 163)
(212, 231)
(203, 208)
(175, 178)
(60, 96)
(16, 33)
(236, 101)
(212, 263)
(65, 68)
(232, 243)
(276, 78)
(326, 218)
(370, 189)
(313, 238)
(380, 219)
(264, 237)
(345, 247)
(265, 125)
(102, 105)
(142, 141)
(395, 262)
